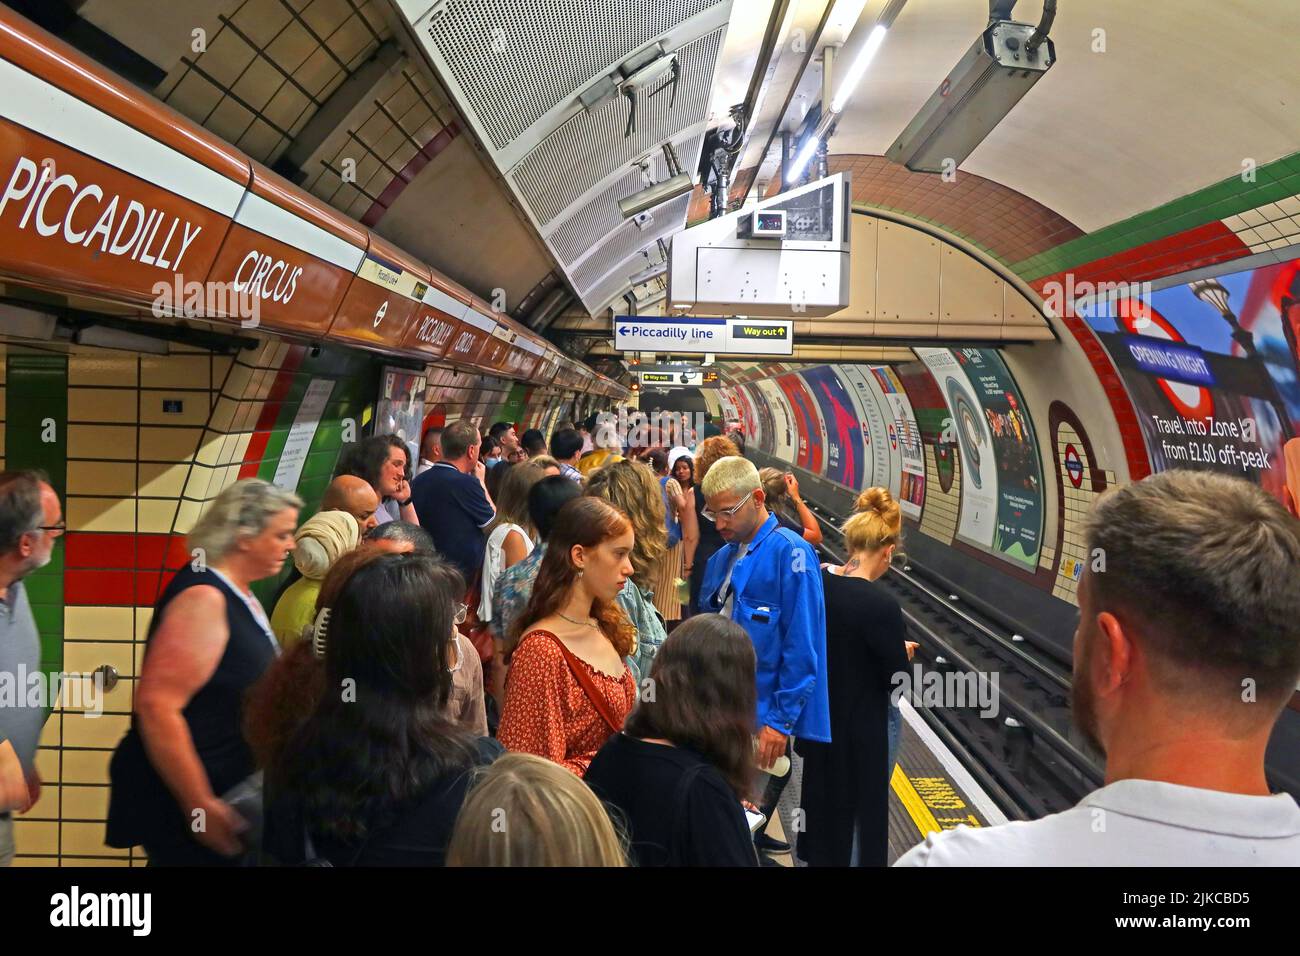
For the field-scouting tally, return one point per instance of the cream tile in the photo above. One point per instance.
(221, 366)
(81, 698)
(168, 444)
(237, 380)
(52, 732)
(87, 839)
(196, 486)
(84, 803)
(175, 371)
(223, 479)
(84, 657)
(223, 413)
(195, 407)
(186, 515)
(236, 446)
(209, 452)
(143, 615)
(100, 514)
(102, 370)
(34, 861)
(116, 442)
(47, 765)
(90, 861)
(33, 836)
(161, 480)
(156, 516)
(97, 624)
(101, 478)
(102, 405)
(86, 766)
(281, 351)
(103, 731)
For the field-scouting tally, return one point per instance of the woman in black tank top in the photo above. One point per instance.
(208, 642)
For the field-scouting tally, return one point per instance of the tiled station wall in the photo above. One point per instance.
(136, 445)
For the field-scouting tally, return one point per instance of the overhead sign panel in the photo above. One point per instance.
(734, 336)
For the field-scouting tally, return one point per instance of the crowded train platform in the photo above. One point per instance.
(801, 435)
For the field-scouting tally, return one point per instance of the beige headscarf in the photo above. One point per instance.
(322, 540)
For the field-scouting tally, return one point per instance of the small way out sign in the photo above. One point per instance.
(734, 336)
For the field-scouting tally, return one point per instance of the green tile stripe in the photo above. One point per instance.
(513, 409)
(1273, 181)
(345, 401)
(36, 437)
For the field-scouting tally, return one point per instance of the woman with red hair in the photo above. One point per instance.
(569, 689)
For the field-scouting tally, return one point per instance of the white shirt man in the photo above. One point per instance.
(1186, 654)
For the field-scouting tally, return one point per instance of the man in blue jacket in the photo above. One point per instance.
(768, 580)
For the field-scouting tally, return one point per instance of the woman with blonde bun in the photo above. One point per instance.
(846, 782)
(525, 810)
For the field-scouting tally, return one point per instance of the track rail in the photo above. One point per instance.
(1001, 704)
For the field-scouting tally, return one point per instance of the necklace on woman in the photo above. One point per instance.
(590, 623)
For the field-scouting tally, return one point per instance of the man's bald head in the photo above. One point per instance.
(355, 496)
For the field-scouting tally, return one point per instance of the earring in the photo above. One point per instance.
(579, 572)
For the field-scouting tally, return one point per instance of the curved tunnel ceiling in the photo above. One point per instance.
(1110, 133)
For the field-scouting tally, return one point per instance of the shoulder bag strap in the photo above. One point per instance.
(589, 688)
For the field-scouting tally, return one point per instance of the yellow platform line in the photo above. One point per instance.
(913, 804)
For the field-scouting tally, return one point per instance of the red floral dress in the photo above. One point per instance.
(549, 714)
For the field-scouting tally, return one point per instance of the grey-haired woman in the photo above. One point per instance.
(209, 640)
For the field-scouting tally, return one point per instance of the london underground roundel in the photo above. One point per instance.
(1141, 318)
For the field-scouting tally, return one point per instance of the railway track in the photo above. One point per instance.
(998, 699)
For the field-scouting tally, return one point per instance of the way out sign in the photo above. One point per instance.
(734, 336)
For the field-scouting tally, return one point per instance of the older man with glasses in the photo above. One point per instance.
(30, 520)
(768, 580)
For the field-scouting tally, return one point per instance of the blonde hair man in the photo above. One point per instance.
(767, 579)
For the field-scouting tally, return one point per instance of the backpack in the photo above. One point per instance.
(674, 525)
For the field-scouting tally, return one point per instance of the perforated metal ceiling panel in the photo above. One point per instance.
(516, 69)
(591, 145)
(599, 215)
(626, 240)
(516, 59)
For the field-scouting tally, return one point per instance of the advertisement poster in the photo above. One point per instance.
(977, 523)
(807, 422)
(764, 422)
(783, 434)
(880, 466)
(1213, 369)
(907, 435)
(294, 454)
(751, 425)
(844, 448)
(400, 409)
(1015, 454)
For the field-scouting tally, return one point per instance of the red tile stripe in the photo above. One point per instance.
(103, 569)
(271, 412)
(441, 140)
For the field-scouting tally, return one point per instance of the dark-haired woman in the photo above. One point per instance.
(385, 462)
(685, 760)
(569, 689)
(377, 773)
